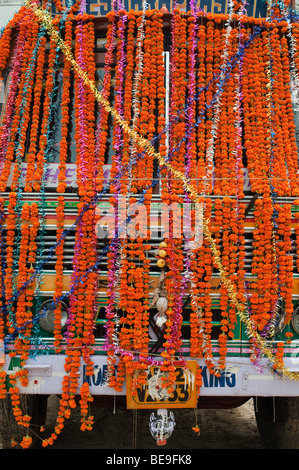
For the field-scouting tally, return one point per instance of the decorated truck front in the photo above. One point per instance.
(149, 214)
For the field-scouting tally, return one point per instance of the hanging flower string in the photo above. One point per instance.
(145, 144)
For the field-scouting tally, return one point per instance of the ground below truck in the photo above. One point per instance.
(219, 429)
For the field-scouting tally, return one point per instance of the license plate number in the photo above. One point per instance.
(153, 395)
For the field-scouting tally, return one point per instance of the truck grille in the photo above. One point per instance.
(46, 240)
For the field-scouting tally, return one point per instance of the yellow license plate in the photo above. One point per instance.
(153, 395)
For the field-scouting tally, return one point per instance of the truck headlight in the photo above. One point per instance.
(295, 320)
(279, 321)
(47, 317)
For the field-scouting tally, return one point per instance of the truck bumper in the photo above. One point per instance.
(240, 378)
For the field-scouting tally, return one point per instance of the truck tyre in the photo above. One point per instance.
(278, 421)
(35, 406)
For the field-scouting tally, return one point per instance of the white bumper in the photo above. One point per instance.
(240, 378)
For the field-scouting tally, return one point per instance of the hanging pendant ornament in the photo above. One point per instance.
(162, 305)
(162, 254)
(160, 301)
(161, 263)
(161, 425)
(196, 428)
(160, 319)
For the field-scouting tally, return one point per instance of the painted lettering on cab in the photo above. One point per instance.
(98, 377)
(226, 379)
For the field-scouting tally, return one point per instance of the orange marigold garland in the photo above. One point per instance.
(146, 113)
(2, 265)
(256, 122)
(2, 383)
(265, 287)
(178, 93)
(128, 105)
(145, 96)
(103, 115)
(5, 44)
(233, 262)
(85, 250)
(65, 112)
(191, 163)
(34, 225)
(21, 419)
(13, 115)
(217, 147)
(200, 316)
(74, 8)
(281, 168)
(118, 102)
(296, 215)
(87, 420)
(116, 202)
(201, 74)
(43, 138)
(135, 57)
(21, 19)
(279, 355)
(82, 302)
(232, 171)
(284, 258)
(153, 64)
(27, 83)
(134, 303)
(38, 86)
(209, 64)
(201, 305)
(226, 217)
(59, 272)
(287, 120)
(8, 281)
(24, 315)
(161, 91)
(241, 272)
